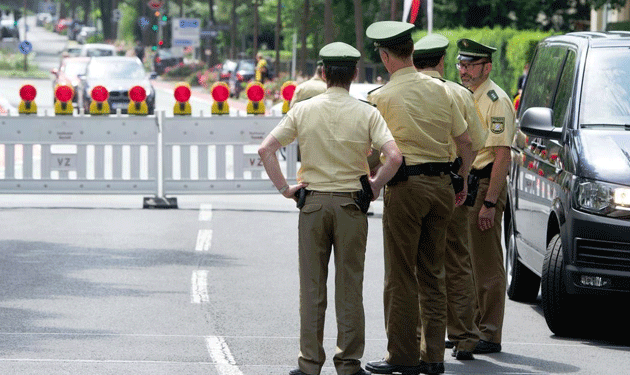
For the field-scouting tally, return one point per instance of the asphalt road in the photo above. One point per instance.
(95, 284)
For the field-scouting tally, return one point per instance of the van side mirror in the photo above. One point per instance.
(538, 122)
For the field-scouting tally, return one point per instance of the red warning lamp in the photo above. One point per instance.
(255, 93)
(220, 93)
(287, 91)
(28, 93)
(64, 93)
(99, 94)
(137, 94)
(182, 93)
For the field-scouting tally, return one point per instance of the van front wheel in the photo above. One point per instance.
(558, 305)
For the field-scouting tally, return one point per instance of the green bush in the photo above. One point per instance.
(183, 70)
(618, 26)
(514, 49)
(96, 38)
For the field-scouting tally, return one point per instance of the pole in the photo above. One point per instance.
(24, 20)
(293, 56)
(430, 16)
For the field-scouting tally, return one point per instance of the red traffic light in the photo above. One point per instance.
(137, 94)
(255, 92)
(182, 93)
(220, 92)
(161, 42)
(288, 89)
(28, 93)
(99, 93)
(64, 93)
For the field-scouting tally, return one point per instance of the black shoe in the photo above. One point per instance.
(448, 344)
(431, 368)
(486, 347)
(462, 355)
(362, 372)
(382, 367)
(297, 371)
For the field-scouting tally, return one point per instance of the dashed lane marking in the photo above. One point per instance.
(204, 240)
(205, 212)
(221, 356)
(199, 289)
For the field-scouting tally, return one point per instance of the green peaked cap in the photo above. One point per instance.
(389, 33)
(432, 45)
(470, 50)
(339, 53)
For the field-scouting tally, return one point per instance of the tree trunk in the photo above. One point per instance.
(328, 23)
(106, 18)
(213, 53)
(233, 30)
(255, 46)
(305, 28)
(181, 8)
(277, 37)
(358, 27)
(392, 11)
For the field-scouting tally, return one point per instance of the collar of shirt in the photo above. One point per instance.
(403, 71)
(482, 89)
(432, 73)
(337, 90)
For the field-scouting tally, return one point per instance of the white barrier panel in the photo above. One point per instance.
(79, 154)
(219, 154)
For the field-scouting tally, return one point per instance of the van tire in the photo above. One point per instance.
(558, 305)
(523, 284)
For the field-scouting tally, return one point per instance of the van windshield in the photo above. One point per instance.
(606, 89)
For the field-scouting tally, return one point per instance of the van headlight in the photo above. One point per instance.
(602, 198)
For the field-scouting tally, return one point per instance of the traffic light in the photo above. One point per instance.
(157, 14)
(161, 43)
(164, 18)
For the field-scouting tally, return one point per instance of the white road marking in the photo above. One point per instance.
(221, 355)
(204, 240)
(199, 290)
(205, 212)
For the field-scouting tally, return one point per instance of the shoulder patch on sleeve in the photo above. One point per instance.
(498, 125)
(493, 95)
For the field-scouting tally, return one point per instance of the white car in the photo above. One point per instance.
(98, 49)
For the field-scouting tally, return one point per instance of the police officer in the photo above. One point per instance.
(311, 87)
(491, 166)
(428, 58)
(418, 203)
(335, 133)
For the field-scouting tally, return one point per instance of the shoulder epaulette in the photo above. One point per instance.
(493, 95)
(471, 91)
(371, 91)
(365, 101)
(440, 78)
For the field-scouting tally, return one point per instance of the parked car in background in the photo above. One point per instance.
(97, 49)
(85, 33)
(165, 58)
(227, 69)
(43, 19)
(68, 73)
(567, 222)
(243, 73)
(118, 75)
(8, 29)
(73, 30)
(62, 24)
(71, 50)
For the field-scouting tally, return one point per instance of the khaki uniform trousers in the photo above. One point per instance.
(461, 297)
(415, 217)
(331, 221)
(488, 267)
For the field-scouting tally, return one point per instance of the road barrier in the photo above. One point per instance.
(122, 154)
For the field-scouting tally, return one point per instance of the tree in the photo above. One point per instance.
(359, 30)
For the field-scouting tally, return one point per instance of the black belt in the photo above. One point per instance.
(484, 172)
(428, 169)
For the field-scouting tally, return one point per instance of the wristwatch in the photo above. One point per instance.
(489, 204)
(283, 189)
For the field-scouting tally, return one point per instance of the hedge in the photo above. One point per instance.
(514, 49)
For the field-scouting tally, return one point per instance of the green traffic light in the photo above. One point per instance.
(154, 48)
(164, 18)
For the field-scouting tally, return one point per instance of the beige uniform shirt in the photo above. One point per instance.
(466, 104)
(335, 133)
(497, 115)
(308, 89)
(421, 114)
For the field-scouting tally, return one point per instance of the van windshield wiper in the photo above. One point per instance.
(625, 126)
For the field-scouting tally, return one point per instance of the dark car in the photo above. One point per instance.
(163, 59)
(243, 73)
(568, 219)
(8, 29)
(68, 73)
(118, 75)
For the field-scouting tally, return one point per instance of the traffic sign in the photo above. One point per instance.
(116, 15)
(155, 4)
(185, 32)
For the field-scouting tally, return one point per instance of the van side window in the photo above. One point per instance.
(564, 95)
(542, 78)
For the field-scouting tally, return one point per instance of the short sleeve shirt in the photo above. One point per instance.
(466, 104)
(308, 89)
(421, 114)
(497, 115)
(335, 133)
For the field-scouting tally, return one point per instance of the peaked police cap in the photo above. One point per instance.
(432, 45)
(470, 50)
(339, 53)
(389, 33)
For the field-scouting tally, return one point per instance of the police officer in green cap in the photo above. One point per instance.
(428, 58)
(335, 132)
(423, 117)
(490, 167)
(310, 87)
